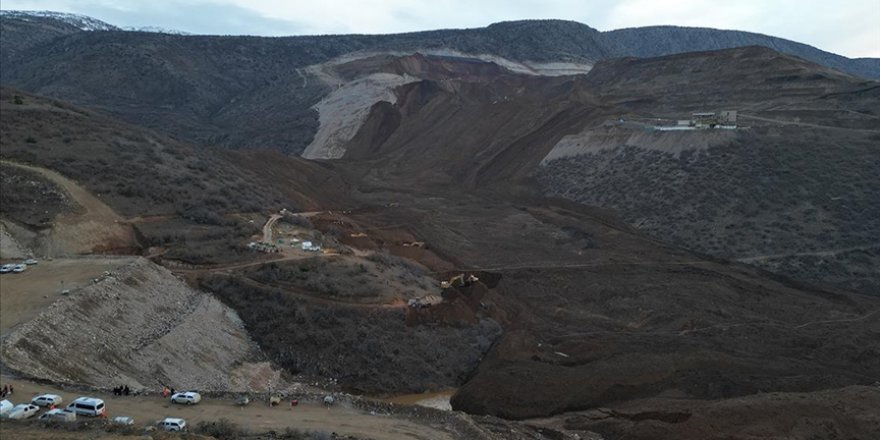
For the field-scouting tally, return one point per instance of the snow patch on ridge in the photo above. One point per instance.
(82, 22)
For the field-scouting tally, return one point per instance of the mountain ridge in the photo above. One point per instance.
(592, 44)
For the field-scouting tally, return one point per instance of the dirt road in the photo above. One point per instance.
(267, 228)
(92, 228)
(25, 295)
(803, 124)
(825, 253)
(256, 417)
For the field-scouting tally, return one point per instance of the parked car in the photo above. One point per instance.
(30, 261)
(123, 420)
(88, 406)
(187, 397)
(6, 268)
(23, 411)
(5, 406)
(19, 268)
(172, 424)
(59, 415)
(47, 400)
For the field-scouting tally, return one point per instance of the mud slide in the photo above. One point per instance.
(342, 113)
(257, 417)
(92, 228)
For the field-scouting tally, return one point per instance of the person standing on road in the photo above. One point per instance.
(126, 391)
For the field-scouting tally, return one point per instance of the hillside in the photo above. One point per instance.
(249, 92)
(655, 41)
(147, 325)
(172, 193)
(606, 297)
(793, 191)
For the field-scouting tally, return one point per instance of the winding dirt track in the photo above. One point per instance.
(825, 253)
(93, 228)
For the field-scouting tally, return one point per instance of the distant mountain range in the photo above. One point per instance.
(544, 40)
(82, 22)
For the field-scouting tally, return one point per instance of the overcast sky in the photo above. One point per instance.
(846, 27)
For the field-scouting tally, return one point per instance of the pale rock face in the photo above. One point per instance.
(142, 326)
(344, 110)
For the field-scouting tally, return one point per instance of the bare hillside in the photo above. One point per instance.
(793, 190)
(141, 326)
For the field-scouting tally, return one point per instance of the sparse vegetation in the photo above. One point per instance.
(344, 278)
(29, 198)
(365, 349)
(735, 201)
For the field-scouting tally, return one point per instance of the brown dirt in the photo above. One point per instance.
(257, 416)
(849, 413)
(141, 326)
(25, 295)
(93, 228)
(28, 432)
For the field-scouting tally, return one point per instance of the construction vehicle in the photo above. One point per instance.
(459, 281)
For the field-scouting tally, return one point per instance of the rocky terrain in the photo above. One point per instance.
(621, 286)
(140, 326)
(248, 92)
(797, 194)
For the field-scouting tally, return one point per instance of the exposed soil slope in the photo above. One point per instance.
(91, 227)
(25, 296)
(140, 326)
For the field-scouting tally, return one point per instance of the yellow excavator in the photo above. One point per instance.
(459, 281)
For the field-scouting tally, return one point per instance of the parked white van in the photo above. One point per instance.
(88, 406)
(172, 424)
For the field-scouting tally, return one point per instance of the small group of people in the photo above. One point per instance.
(6, 390)
(122, 391)
(167, 391)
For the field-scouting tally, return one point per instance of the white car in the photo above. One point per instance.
(59, 415)
(47, 400)
(6, 268)
(187, 397)
(23, 411)
(30, 261)
(172, 424)
(123, 420)
(19, 268)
